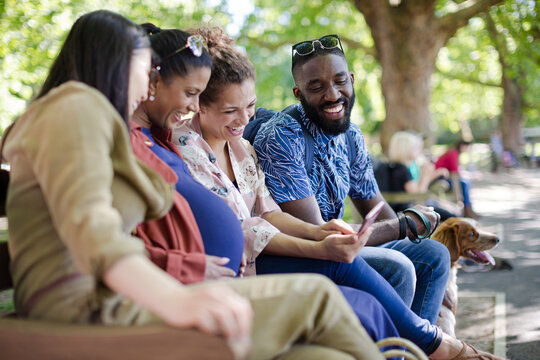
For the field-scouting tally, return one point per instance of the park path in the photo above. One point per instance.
(509, 203)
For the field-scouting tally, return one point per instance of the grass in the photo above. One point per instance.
(347, 217)
(3, 235)
(3, 229)
(6, 301)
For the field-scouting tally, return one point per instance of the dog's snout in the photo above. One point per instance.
(496, 240)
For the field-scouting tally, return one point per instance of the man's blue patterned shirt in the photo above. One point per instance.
(280, 147)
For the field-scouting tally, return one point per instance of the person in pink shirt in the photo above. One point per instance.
(461, 187)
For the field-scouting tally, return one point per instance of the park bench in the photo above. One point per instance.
(30, 339)
(438, 191)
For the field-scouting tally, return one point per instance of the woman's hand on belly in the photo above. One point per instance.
(216, 269)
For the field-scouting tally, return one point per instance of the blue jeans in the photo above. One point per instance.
(465, 190)
(359, 275)
(418, 272)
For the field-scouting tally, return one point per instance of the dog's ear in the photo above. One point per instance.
(453, 244)
(448, 234)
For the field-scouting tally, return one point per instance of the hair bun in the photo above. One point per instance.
(214, 36)
(150, 28)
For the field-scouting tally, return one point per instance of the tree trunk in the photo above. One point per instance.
(512, 117)
(408, 37)
(407, 57)
(512, 114)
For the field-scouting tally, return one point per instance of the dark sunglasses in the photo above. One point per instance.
(326, 42)
(195, 43)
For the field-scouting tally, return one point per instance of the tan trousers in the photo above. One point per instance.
(296, 317)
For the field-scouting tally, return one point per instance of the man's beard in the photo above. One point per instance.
(332, 127)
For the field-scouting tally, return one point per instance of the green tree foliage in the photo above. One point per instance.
(470, 67)
(33, 31)
(517, 38)
(465, 85)
(272, 28)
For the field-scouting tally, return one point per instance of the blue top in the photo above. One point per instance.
(220, 229)
(280, 147)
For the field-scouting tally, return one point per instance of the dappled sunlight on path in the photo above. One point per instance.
(509, 203)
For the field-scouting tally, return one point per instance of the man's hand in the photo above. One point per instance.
(429, 212)
(215, 268)
(334, 226)
(344, 248)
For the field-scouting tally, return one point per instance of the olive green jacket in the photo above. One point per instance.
(76, 192)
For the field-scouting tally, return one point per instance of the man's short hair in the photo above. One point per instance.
(298, 60)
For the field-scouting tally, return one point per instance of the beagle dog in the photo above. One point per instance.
(463, 238)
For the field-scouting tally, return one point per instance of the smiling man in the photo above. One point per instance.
(314, 188)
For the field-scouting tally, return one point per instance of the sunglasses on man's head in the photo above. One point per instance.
(195, 43)
(326, 42)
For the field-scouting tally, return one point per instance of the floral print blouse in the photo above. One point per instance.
(249, 199)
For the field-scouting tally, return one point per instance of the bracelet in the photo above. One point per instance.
(424, 219)
(414, 232)
(402, 225)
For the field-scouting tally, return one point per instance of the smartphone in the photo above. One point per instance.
(370, 217)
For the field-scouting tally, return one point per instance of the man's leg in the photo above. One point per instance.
(395, 267)
(465, 189)
(431, 261)
(302, 308)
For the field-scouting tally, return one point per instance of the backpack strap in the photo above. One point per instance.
(383, 173)
(292, 111)
(349, 139)
(261, 116)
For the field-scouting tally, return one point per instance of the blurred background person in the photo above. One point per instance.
(404, 151)
(459, 185)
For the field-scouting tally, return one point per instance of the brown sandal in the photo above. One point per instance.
(477, 355)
